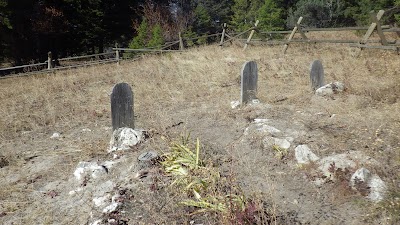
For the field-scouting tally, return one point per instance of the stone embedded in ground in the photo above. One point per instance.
(235, 104)
(316, 74)
(122, 106)
(362, 175)
(89, 168)
(372, 183)
(343, 161)
(378, 188)
(249, 77)
(55, 135)
(147, 156)
(112, 207)
(101, 201)
(124, 138)
(304, 154)
(330, 89)
(271, 141)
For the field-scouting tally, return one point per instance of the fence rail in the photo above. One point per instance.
(225, 37)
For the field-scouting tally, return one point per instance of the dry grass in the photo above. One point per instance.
(188, 86)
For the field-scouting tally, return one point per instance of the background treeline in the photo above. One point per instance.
(31, 28)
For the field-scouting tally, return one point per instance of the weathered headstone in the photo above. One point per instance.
(122, 106)
(317, 75)
(249, 79)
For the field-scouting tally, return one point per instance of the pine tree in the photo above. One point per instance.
(270, 16)
(157, 39)
(142, 36)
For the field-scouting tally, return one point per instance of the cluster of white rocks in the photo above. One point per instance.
(103, 200)
(304, 155)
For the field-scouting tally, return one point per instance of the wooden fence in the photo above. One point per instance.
(224, 37)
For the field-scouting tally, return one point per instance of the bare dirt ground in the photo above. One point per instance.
(191, 91)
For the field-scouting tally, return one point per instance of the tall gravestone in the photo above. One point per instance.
(317, 75)
(249, 77)
(122, 106)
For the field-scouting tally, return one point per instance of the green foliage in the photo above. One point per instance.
(270, 16)
(144, 39)
(245, 13)
(141, 38)
(4, 15)
(198, 181)
(361, 9)
(188, 35)
(202, 22)
(315, 13)
(157, 39)
(397, 16)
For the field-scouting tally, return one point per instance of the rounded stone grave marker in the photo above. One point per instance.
(317, 75)
(122, 106)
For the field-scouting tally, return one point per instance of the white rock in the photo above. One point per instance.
(86, 130)
(378, 188)
(124, 138)
(261, 120)
(338, 86)
(268, 129)
(75, 191)
(255, 101)
(330, 89)
(111, 208)
(345, 160)
(304, 154)
(374, 182)
(362, 175)
(235, 104)
(97, 222)
(88, 168)
(324, 90)
(271, 141)
(101, 201)
(55, 135)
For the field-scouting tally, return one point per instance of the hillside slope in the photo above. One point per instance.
(178, 93)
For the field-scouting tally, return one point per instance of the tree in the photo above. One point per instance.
(245, 13)
(5, 27)
(270, 16)
(140, 40)
(157, 39)
(359, 11)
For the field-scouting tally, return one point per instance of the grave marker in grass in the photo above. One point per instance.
(122, 106)
(249, 77)
(317, 75)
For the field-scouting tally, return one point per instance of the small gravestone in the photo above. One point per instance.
(122, 106)
(249, 79)
(317, 75)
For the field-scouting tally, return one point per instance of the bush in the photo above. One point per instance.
(157, 39)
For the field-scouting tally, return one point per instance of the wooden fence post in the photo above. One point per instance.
(292, 34)
(378, 25)
(181, 47)
(49, 60)
(223, 35)
(251, 35)
(122, 106)
(117, 53)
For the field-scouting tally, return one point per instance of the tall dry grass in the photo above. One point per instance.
(205, 80)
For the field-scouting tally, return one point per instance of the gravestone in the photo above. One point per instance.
(317, 75)
(249, 79)
(122, 106)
